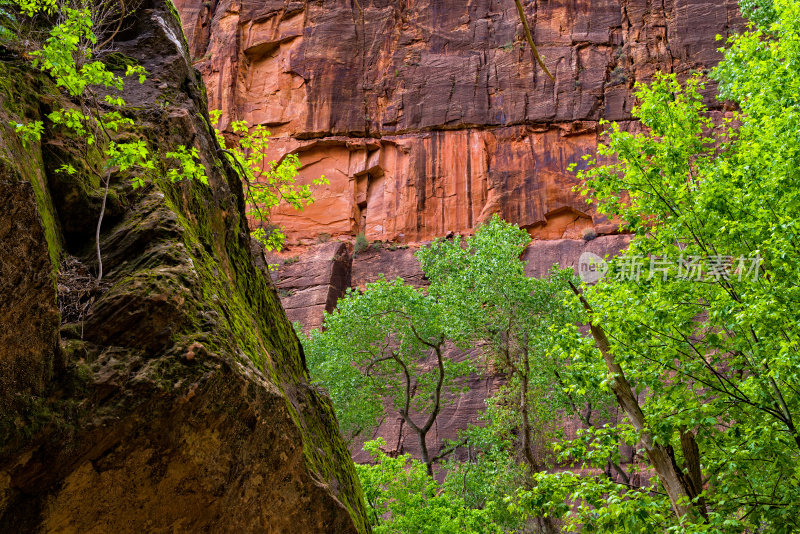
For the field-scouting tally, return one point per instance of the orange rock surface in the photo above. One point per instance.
(427, 117)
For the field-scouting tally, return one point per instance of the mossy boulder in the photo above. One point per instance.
(174, 395)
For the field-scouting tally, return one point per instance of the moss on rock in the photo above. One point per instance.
(183, 389)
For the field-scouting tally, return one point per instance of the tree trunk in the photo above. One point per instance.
(678, 486)
(422, 431)
(99, 225)
(545, 524)
(423, 447)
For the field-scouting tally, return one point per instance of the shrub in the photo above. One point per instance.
(361, 244)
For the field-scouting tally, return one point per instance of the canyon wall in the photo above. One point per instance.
(429, 116)
(171, 396)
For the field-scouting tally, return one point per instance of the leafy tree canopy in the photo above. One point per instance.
(710, 332)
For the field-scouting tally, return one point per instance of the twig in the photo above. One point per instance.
(448, 450)
(119, 26)
(99, 224)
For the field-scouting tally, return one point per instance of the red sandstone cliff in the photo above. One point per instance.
(428, 117)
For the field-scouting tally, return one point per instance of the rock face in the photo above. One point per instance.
(312, 284)
(27, 356)
(173, 396)
(427, 117)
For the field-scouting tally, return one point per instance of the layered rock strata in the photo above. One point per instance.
(173, 396)
(428, 117)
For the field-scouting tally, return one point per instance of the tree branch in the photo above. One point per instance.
(534, 52)
(661, 457)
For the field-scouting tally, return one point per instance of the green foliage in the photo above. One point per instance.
(491, 472)
(761, 12)
(125, 156)
(479, 297)
(355, 397)
(403, 498)
(594, 503)
(190, 167)
(492, 304)
(360, 245)
(66, 52)
(378, 344)
(267, 183)
(482, 284)
(29, 133)
(602, 505)
(34, 7)
(716, 353)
